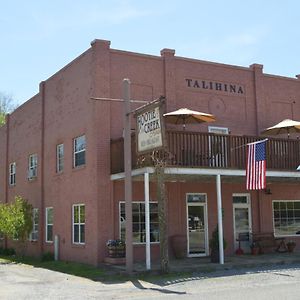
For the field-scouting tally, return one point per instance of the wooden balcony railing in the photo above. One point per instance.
(198, 149)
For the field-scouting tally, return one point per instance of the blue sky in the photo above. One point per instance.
(37, 38)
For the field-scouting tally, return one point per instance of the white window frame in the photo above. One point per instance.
(136, 202)
(282, 235)
(78, 223)
(218, 130)
(218, 159)
(12, 174)
(78, 151)
(59, 159)
(48, 224)
(35, 225)
(32, 166)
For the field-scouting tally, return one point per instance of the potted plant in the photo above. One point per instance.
(178, 243)
(254, 248)
(214, 246)
(116, 248)
(291, 246)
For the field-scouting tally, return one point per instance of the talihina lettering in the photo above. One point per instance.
(214, 85)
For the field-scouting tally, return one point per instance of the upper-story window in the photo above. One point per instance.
(59, 158)
(32, 166)
(12, 173)
(79, 151)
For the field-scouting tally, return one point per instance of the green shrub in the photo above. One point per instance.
(47, 256)
(9, 251)
(214, 241)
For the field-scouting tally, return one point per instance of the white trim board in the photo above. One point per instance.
(203, 171)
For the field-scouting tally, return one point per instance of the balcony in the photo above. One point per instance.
(208, 150)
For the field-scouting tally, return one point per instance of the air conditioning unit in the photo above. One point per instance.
(34, 236)
(32, 173)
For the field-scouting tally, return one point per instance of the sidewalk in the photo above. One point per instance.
(203, 264)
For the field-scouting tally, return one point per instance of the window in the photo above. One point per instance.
(218, 146)
(79, 151)
(12, 174)
(79, 224)
(32, 166)
(59, 158)
(35, 225)
(49, 224)
(240, 199)
(138, 222)
(286, 218)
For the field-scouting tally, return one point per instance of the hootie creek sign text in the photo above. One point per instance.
(150, 128)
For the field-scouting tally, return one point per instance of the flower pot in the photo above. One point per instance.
(255, 250)
(291, 247)
(179, 244)
(215, 256)
(116, 251)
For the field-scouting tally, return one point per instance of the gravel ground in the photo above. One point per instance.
(26, 282)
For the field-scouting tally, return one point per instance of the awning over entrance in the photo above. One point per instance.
(191, 174)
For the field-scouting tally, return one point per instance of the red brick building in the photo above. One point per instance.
(61, 151)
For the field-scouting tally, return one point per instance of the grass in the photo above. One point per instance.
(71, 268)
(91, 272)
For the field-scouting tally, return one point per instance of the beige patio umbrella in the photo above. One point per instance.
(186, 116)
(286, 126)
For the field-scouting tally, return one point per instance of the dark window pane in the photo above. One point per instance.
(50, 233)
(290, 214)
(50, 216)
(82, 233)
(283, 214)
(82, 214)
(80, 159)
(282, 205)
(76, 233)
(76, 214)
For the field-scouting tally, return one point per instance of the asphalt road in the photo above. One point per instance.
(26, 282)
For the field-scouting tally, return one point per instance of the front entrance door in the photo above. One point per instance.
(242, 221)
(197, 225)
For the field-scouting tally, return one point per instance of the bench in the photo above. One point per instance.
(267, 240)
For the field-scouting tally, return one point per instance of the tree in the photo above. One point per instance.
(16, 219)
(160, 160)
(6, 106)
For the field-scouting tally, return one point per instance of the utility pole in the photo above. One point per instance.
(128, 179)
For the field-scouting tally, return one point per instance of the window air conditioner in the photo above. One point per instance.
(33, 236)
(31, 173)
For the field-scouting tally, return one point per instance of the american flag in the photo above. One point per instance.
(256, 166)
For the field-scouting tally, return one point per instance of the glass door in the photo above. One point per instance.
(197, 225)
(242, 222)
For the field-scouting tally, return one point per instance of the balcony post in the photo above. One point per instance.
(220, 221)
(147, 221)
